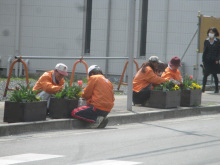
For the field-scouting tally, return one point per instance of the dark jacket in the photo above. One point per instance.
(215, 52)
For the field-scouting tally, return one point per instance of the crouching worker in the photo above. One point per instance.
(172, 72)
(144, 79)
(99, 97)
(51, 82)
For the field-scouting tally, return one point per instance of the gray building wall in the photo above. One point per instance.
(55, 28)
(171, 26)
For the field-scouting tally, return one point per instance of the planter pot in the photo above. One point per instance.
(25, 112)
(164, 99)
(62, 108)
(191, 98)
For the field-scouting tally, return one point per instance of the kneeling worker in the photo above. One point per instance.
(144, 79)
(51, 82)
(99, 97)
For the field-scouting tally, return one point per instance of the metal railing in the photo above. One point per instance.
(80, 60)
(63, 58)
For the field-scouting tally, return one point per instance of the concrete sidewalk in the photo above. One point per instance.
(118, 115)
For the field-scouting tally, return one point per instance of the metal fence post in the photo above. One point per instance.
(130, 51)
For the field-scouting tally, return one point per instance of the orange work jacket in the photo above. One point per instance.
(141, 80)
(46, 83)
(172, 74)
(99, 93)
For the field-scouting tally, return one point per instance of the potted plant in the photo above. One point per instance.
(191, 92)
(24, 106)
(62, 103)
(165, 95)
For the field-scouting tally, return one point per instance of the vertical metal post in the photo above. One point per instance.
(166, 17)
(130, 51)
(108, 36)
(17, 34)
(198, 46)
(84, 28)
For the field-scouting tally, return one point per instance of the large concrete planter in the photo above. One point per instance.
(164, 99)
(62, 108)
(25, 112)
(190, 98)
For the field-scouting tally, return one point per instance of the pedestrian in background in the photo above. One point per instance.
(99, 97)
(172, 72)
(143, 80)
(210, 57)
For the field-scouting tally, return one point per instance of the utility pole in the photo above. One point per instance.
(130, 51)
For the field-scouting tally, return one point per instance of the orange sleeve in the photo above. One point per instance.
(169, 74)
(45, 83)
(87, 92)
(48, 86)
(143, 79)
(153, 78)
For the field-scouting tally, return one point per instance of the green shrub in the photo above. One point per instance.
(73, 92)
(189, 83)
(167, 86)
(24, 94)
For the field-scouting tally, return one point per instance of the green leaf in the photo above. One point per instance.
(24, 93)
(73, 92)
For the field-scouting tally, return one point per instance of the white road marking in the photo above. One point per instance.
(7, 160)
(111, 162)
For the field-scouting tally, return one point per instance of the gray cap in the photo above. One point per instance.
(154, 59)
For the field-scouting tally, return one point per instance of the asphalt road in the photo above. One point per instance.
(192, 140)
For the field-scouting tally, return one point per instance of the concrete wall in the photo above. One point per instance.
(55, 28)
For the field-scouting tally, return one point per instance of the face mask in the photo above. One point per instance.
(211, 35)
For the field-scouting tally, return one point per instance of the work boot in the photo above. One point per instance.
(97, 123)
(103, 123)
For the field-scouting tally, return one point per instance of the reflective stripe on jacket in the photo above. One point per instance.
(141, 80)
(99, 93)
(46, 83)
(172, 74)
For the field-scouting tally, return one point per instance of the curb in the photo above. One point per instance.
(133, 117)
(160, 115)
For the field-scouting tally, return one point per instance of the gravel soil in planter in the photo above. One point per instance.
(25, 112)
(164, 99)
(62, 108)
(190, 98)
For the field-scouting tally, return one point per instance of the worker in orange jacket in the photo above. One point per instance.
(144, 79)
(51, 82)
(100, 99)
(172, 72)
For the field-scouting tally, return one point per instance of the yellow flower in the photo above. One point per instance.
(193, 84)
(176, 87)
(79, 94)
(198, 87)
(191, 87)
(37, 98)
